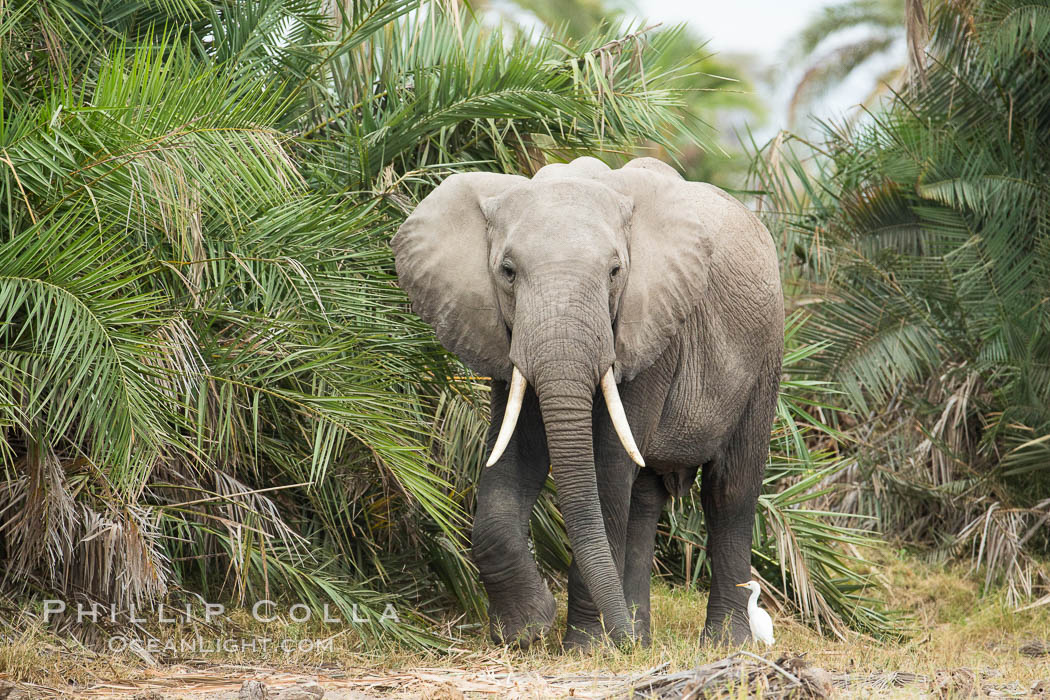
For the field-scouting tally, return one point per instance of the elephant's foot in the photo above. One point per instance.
(583, 626)
(524, 622)
(587, 639)
(726, 629)
(581, 641)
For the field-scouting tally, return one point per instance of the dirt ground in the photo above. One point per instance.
(956, 643)
(237, 682)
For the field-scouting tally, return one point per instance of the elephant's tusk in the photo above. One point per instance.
(619, 418)
(510, 416)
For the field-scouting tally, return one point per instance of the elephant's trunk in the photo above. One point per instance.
(566, 406)
(563, 350)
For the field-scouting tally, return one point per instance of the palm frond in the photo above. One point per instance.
(209, 381)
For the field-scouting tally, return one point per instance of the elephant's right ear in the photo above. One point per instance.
(441, 253)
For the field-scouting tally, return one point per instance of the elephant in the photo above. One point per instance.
(658, 294)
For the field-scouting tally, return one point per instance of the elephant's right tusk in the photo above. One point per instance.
(619, 418)
(510, 416)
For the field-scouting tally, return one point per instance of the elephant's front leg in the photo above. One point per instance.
(648, 496)
(521, 608)
(616, 473)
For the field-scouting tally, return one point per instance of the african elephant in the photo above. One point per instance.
(664, 293)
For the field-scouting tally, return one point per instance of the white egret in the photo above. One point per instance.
(760, 621)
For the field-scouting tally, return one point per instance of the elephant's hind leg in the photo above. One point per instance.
(729, 489)
(521, 607)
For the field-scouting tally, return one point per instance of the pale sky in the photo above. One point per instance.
(754, 26)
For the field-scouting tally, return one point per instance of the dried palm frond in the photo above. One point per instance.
(997, 541)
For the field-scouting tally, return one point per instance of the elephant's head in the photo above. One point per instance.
(567, 281)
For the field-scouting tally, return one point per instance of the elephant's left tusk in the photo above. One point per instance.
(510, 416)
(619, 418)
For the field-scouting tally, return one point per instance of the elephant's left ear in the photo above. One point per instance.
(674, 230)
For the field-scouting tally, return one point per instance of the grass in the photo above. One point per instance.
(951, 627)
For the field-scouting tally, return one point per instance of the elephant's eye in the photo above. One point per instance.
(508, 270)
(615, 271)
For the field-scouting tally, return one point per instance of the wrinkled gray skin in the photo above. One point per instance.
(672, 283)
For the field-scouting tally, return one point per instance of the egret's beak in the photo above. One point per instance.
(742, 585)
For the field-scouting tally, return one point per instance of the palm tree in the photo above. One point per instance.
(716, 90)
(926, 237)
(207, 376)
(209, 382)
